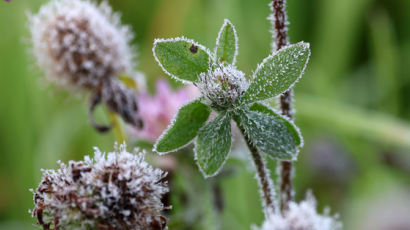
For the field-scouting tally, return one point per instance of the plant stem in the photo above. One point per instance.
(118, 130)
(263, 175)
(281, 40)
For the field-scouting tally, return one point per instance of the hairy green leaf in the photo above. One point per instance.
(278, 72)
(227, 44)
(181, 58)
(213, 144)
(184, 127)
(270, 132)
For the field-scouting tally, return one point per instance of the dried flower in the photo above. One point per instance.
(80, 44)
(302, 216)
(118, 190)
(159, 109)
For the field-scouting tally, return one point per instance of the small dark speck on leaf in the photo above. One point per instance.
(193, 49)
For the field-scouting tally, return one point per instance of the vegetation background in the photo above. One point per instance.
(353, 104)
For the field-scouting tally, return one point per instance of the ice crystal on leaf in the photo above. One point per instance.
(278, 72)
(213, 144)
(226, 90)
(181, 58)
(302, 216)
(118, 190)
(227, 44)
(184, 127)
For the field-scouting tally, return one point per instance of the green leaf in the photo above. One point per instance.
(278, 72)
(213, 144)
(270, 132)
(227, 44)
(184, 127)
(181, 58)
(290, 125)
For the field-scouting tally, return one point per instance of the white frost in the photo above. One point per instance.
(160, 40)
(301, 216)
(227, 23)
(118, 189)
(222, 86)
(77, 43)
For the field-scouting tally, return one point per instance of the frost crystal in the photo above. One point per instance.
(118, 190)
(79, 43)
(302, 216)
(221, 87)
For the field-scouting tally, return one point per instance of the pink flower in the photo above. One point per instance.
(158, 110)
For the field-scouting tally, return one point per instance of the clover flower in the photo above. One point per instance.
(222, 86)
(302, 216)
(81, 45)
(225, 90)
(118, 190)
(160, 108)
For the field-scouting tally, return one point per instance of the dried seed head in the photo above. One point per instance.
(302, 216)
(118, 99)
(222, 86)
(79, 44)
(118, 190)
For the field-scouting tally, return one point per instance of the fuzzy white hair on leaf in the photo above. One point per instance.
(205, 174)
(265, 60)
(171, 124)
(160, 40)
(226, 23)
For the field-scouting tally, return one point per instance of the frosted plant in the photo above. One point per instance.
(226, 90)
(302, 216)
(118, 190)
(81, 45)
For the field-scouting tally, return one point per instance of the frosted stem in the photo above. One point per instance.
(281, 40)
(263, 176)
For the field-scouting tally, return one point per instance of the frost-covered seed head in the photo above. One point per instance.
(222, 86)
(79, 43)
(118, 190)
(302, 216)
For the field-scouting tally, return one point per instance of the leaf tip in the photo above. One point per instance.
(227, 22)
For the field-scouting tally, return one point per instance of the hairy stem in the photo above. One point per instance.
(281, 40)
(265, 182)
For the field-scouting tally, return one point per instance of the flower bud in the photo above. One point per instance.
(221, 87)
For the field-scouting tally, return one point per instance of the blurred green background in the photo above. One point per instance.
(353, 106)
